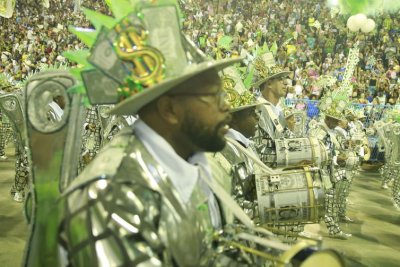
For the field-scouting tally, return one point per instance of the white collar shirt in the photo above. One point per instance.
(184, 175)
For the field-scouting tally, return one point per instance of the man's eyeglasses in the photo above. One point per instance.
(220, 96)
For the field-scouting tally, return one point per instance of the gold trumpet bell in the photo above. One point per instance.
(326, 258)
(367, 150)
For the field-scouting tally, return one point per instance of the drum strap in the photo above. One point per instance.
(251, 155)
(274, 119)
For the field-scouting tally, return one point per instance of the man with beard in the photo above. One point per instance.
(146, 198)
(244, 164)
(242, 127)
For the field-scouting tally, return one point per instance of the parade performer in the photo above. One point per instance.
(160, 150)
(272, 83)
(242, 127)
(394, 162)
(12, 108)
(333, 105)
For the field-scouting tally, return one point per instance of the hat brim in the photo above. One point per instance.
(133, 104)
(335, 117)
(276, 75)
(244, 107)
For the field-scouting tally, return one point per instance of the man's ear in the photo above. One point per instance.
(168, 109)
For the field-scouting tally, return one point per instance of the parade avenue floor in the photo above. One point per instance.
(375, 241)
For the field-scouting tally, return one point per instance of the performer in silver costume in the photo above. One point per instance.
(243, 163)
(242, 127)
(394, 160)
(5, 130)
(326, 133)
(384, 132)
(11, 106)
(272, 81)
(348, 169)
(5, 125)
(144, 198)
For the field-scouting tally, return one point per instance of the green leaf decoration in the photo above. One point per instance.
(77, 89)
(249, 79)
(274, 48)
(76, 72)
(242, 70)
(86, 102)
(225, 42)
(78, 56)
(264, 48)
(87, 36)
(120, 8)
(202, 41)
(98, 20)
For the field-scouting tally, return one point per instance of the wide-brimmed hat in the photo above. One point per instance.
(266, 69)
(137, 56)
(239, 97)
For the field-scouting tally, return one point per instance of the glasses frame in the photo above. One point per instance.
(220, 96)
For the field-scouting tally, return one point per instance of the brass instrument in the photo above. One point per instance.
(263, 249)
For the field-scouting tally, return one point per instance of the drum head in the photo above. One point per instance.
(326, 258)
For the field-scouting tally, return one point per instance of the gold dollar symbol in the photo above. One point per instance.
(148, 62)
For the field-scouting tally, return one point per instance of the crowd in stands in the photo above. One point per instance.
(36, 36)
(306, 36)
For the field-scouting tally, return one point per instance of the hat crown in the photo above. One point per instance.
(238, 95)
(265, 66)
(140, 48)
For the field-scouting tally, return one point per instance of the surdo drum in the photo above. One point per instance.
(295, 195)
(294, 151)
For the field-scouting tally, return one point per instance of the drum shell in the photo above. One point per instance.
(294, 151)
(291, 196)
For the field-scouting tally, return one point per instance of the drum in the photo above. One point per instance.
(294, 151)
(295, 195)
(261, 250)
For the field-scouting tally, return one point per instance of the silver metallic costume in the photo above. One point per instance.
(5, 134)
(99, 129)
(242, 171)
(350, 147)
(336, 174)
(12, 107)
(97, 220)
(91, 137)
(395, 163)
(271, 126)
(385, 143)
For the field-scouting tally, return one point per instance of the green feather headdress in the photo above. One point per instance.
(335, 101)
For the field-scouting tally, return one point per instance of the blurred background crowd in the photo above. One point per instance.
(309, 37)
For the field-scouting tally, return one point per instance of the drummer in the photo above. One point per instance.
(272, 81)
(325, 132)
(242, 127)
(348, 167)
(244, 163)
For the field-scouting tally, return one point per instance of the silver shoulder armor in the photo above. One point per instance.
(123, 211)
